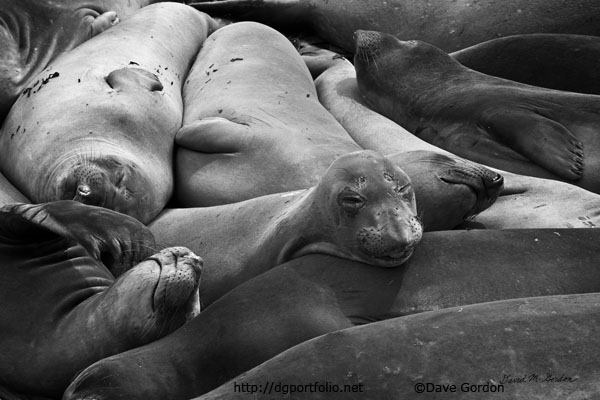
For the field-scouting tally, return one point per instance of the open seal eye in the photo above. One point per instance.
(350, 201)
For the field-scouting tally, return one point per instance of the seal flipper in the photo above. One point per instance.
(133, 78)
(115, 239)
(544, 141)
(212, 135)
(103, 22)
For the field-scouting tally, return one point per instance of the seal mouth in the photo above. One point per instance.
(395, 259)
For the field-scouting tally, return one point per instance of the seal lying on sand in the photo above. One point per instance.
(554, 61)
(97, 126)
(34, 33)
(363, 208)
(524, 202)
(542, 347)
(62, 309)
(449, 25)
(500, 123)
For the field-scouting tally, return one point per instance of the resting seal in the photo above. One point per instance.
(450, 268)
(33, 33)
(253, 124)
(98, 124)
(363, 208)
(524, 202)
(252, 323)
(501, 123)
(543, 347)
(449, 25)
(62, 308)
(554, 61)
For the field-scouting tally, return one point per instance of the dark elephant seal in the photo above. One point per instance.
(542, 347)
(524, 201)
(452, 268)
(63, 310)
(554, 61)
(500, 123)
(34, 33)
(252, 323)
(449, 25)
(98, 124)
(363, 208)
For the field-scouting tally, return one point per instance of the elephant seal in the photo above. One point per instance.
(524, 201)
(554, 61)
(252, 323)
(98, 124)
(449, 25)
(252, 123)
(363, 208)
(452, 268)
(63, 310)
(34, 33)
(9, 193)
(268, 133)
(542, 347)
(504, 124)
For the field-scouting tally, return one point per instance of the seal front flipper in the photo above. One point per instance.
(544, 141)
(212, 135)
(133, 78)
(102, 22)
(115, 239)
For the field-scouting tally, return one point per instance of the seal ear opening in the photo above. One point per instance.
(133, 78)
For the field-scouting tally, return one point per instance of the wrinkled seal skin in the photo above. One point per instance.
(97, 126)
(504, 124)
(554, 61)
(363, 208)
(253, 124)
(247, 326)
(62, 308)
(33, 33)
(442, 276)
(486, 343)
(524, 202)
(449, 25)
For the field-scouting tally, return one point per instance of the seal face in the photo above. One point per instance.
(58, 295)
(371, 205)
(508, 125)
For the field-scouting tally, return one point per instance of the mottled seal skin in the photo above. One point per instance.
(62, 308)
(489, 344)
(253, 124)
(449, 25)
(504, 124)
(252, 323)
(97, 125)
(554, 61)
(524, 202)
(363, 208)
(34, 33)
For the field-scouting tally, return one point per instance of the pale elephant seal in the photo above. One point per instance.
(554, 61)
(253, 124)
(363, 209)
(452, 268)
(98, 124)
(524, 201)
(34, 33)
(515, 127)
(449, 25)
(252, 323)
(63, 310)
(542, 347)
